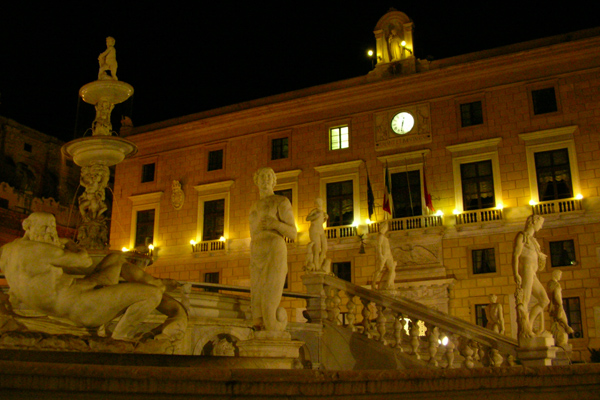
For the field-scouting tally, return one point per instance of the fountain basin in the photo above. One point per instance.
(107, 150)
(113, 91)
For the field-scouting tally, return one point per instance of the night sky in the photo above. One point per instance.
(183, 58)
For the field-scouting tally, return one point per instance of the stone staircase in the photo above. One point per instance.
(418, 335)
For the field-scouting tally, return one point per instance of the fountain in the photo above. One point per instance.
(96, 153)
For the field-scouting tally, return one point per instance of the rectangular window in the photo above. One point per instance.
(572, 308)
(480, 317)
(342, 270)
(484, 261)
(215, 160)
(477, 185)
(285, 193)
(562, 253)
(339, 138)
(211, 277)
(544, 101)
(27, 147)
(279, 148)
(3, 203)
(406, 194)
(471, 114)
(214, 220)
(340, 203)
(144, 229)
(553, 172)
(148, 172)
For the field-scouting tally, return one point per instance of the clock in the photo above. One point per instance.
(402, 123)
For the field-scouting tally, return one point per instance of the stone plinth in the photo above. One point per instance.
(271, 350)
(536, 351)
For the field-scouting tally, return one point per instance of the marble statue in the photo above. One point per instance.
(177, 195)
(108, 61)
(102, 125)
(560, 326)
(527, 260)
(38, 270)
(316, 255)
(386, 266)
(271, 218)
(495, 315)
(395, 43)
(94, 179)
(93, 232)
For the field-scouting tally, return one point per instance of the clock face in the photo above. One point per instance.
(403, 123)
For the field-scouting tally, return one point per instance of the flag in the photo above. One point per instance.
(370, 198)
(387, 194)
(428, 202)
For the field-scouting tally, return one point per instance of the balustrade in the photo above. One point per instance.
(479, 216)
(557, 207)
(407, 326)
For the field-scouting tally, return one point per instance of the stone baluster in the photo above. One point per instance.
(366, 322)
(333, 305)
(398, 331)
(496, 358)
(433, 344)
(381, 321)
(351, 313)
(467, 350)
(450, 347)
(414, 338)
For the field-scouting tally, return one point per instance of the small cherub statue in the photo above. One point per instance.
(108, 61)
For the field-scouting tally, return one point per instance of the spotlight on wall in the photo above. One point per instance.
(194, 246)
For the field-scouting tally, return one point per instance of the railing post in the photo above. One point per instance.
(316, 307)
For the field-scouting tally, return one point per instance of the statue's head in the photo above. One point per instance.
(557, 274)
(41, 227)
(265, 177)
(110, 41)
(493, 298)
(535, 221)
(319, 203)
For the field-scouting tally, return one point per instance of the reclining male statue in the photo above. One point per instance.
(36, 268)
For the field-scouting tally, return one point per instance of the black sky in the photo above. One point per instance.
(187, 57)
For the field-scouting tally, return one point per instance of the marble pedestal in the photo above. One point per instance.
(536, 351)
(271, 350)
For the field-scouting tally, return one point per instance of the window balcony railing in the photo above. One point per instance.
(338, 232)
(209, 245)
(479, 216)
(557, 207)
(403, 224)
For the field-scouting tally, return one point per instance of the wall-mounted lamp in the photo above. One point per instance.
(195, 248)
(150, 250)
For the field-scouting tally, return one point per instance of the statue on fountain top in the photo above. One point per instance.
(108, 61)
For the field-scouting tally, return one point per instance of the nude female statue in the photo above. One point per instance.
(271, 218)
